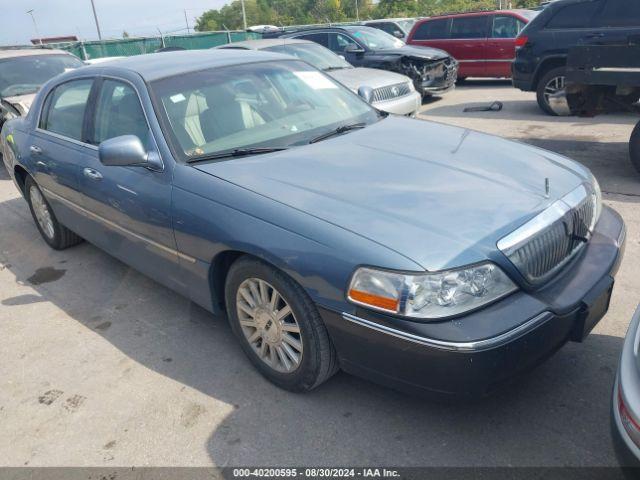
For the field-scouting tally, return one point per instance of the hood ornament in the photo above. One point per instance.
(547, 187)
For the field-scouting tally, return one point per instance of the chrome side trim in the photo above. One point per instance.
(66, 139)
(115, 226)
(617, 69)
(475, 346)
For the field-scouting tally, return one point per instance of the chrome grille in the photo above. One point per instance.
(543, 246)
(383, 94)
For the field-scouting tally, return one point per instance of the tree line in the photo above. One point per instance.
(301, 12)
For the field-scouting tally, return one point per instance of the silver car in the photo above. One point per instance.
(387, 91)
(625, 405)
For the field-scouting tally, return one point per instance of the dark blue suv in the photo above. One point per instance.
(542, 47)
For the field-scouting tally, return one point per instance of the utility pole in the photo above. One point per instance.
(244, 15)
(95, 16)
(357, 14)
(35, 25)
(186, 20)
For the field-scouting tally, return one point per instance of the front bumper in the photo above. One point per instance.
(406, 105)
(440, 83)
(471, 355)
(627, 387)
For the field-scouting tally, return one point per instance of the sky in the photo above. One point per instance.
(75, 17)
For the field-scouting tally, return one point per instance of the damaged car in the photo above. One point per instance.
(23, 72)
(433, 71)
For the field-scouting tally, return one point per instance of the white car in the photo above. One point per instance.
(387, 91)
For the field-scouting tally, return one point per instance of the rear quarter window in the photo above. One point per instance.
(578, 15)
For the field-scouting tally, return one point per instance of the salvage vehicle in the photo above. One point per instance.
(387, 91)
(603, 79)
(484, 43)
(542, 47)
(398, 27)
(423, 256)
(625, 402)
(22, 73)
(433, 71)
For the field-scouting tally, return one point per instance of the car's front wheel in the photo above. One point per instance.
(53, 232)
(278, 326)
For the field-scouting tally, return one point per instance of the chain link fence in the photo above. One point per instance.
(126, 47)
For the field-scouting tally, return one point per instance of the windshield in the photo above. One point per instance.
(406, 25)
(268, 105)
(320, 57)
(25, 75)
(376, 39)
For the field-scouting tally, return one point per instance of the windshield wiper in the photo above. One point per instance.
(237, 152)
(331, 69)
(338, 131)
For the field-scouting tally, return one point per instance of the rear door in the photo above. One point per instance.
(501, 48)
(57, 148)
(618, 22)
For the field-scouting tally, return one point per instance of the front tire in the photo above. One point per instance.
(634, 147)
(552, 82)
(278, 326)
(53, 232)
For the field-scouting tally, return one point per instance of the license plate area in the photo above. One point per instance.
(594, 306)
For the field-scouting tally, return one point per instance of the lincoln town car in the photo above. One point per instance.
(332, 235)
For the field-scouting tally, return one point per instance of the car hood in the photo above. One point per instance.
(354, 78)
(21, 102)
(425, 53)
(440, 195)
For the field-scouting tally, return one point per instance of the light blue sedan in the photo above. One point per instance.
(423, 256)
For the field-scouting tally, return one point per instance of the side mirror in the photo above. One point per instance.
(353, 48)
(125, 151)
(366, 93)
(398, 34)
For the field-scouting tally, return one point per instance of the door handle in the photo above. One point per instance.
(35, 149)
(92, 174)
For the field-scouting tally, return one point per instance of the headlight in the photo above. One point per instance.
(430, 295)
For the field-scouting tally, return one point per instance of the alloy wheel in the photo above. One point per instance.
(269, 325)
(41, 211)
(555, 87)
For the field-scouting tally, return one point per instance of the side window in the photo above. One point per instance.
(433, 30)
(469, 27)
(619, 13)
(65, 107)
(118, 112)
(321, 38)
(338, 42)
(578, 15)
(506, 27)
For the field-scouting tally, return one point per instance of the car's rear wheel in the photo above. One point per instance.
(278, 326)
(53, 232)
(634, 147)
(551, 94)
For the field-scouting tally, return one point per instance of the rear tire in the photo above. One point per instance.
(634, 148)
(306, 357)
(553, 79)
(53, 232)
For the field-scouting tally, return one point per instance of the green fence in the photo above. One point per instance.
(135, 46)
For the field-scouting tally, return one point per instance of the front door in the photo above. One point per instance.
(130, 206)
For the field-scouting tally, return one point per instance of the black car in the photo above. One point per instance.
(433, 71)
(542, 47)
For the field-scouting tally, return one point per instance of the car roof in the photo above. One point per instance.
(29, 52)
(264, 43)
(378, 20)
(517, 11)
(153, 66)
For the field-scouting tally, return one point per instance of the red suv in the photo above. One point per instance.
(483, 42)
